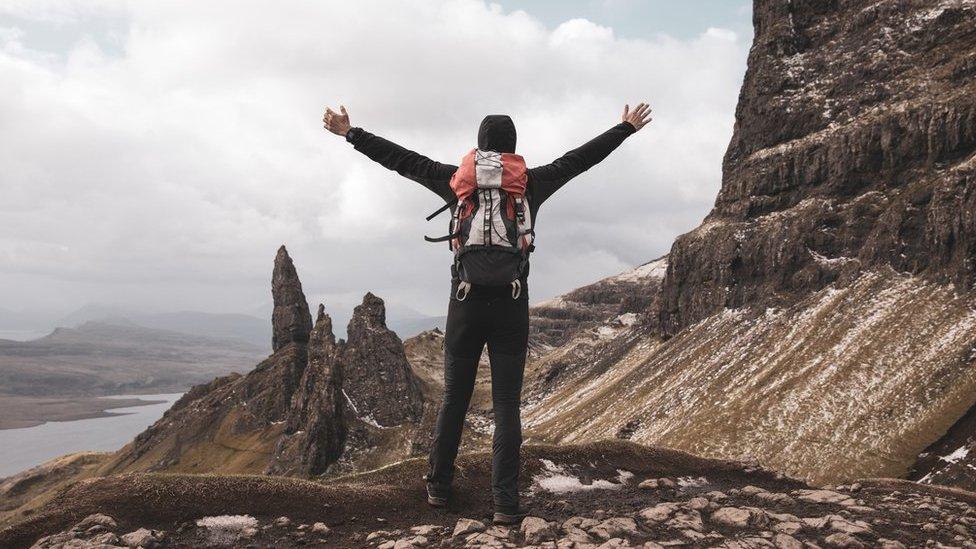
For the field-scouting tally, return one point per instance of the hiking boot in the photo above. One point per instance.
(436, 495)
(509, 518)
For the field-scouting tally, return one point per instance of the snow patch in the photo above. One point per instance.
(556, 480)
(627, 319)
(654, 269)
(960, 453)
(692, 482)
(554, 303)
(226, 529)
(368, 418)
(825, 261)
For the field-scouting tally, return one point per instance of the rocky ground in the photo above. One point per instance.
(608, 495)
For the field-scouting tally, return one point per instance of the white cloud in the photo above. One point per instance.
(166, 172)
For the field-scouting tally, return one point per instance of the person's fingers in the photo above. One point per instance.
(626, 110)
(342, 108)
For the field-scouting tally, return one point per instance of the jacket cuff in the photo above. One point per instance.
(628, 127)
(354, 135)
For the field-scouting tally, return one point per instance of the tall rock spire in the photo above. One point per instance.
(291, 320)
(377, 378)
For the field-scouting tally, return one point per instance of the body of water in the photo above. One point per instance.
(24, 448)
(22, 335)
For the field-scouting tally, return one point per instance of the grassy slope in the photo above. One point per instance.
(853, 381)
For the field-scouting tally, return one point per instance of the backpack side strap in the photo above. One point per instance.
(442, 209)
(444, 238)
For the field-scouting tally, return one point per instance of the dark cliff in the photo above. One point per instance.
(853, 150)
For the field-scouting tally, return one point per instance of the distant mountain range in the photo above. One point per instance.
(104, 358)
(26, 325)
(221, 325)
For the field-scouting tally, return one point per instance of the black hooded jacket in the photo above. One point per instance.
(496, 133)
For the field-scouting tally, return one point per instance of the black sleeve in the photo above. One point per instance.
(429, 173)
(545, 180)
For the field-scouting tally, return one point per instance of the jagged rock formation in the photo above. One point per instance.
(315, 432)
(853, 150)
(554, 322)
(381, 383)
(315, 406)
(290, 318)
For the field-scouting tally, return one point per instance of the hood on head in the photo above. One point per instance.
(497, 133)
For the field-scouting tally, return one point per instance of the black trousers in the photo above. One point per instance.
(495, 319)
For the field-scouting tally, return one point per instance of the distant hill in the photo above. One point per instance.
(101, 358)
(221, 325)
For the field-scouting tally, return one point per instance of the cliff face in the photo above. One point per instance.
(317, 405)
(853, 150)
(822, 319)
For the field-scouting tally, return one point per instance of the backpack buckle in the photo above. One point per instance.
(519, 209)
(516, 288)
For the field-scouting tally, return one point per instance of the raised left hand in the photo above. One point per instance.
(336, 122)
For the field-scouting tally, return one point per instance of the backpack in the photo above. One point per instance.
(490, 231)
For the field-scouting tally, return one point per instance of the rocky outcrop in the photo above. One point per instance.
(290, 319)
(315, 433)
(853, 150)
(608, 495)
(380, 384)
(315, 402)
(554, 322)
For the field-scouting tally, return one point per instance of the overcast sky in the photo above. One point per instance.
(155, 154)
